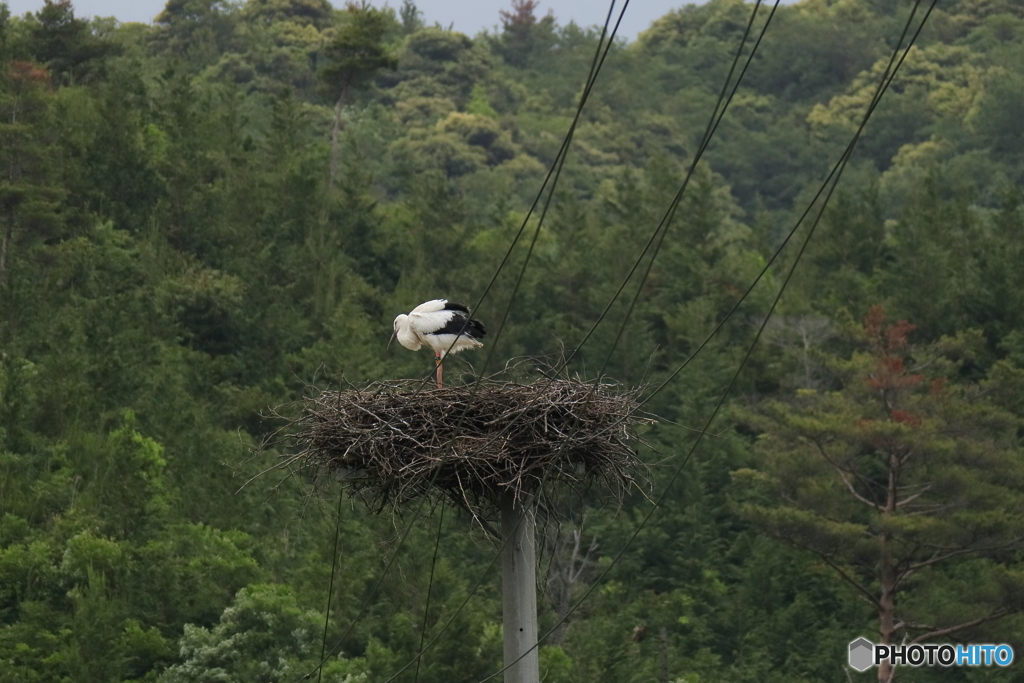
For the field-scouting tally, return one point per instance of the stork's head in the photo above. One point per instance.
(401, 322)
(405, 334)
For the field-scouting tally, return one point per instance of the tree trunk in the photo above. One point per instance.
(338, 107)
(5, 244)
(663, 644)
(886, 609)
(563, 575)
(887, 577)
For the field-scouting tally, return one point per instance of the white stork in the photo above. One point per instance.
(443, 325)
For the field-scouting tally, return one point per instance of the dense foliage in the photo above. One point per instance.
(201, 218)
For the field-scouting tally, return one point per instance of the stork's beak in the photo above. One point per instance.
(393, 335)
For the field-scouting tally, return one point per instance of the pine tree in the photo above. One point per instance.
(904, 482)
(354, 58)
(523, 35)
(27, 197)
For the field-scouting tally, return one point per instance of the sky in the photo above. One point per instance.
(467, 16)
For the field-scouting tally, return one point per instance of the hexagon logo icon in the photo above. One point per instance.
(861, 654)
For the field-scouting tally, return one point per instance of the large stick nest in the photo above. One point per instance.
(393, 441)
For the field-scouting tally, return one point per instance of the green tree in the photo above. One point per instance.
(263, 637)
(303, 12)
(902, 483)
(125, 488)
(436, 64)
(66, 45)
(524, 38)
(196, 31)
(409, 15)
(354, 58)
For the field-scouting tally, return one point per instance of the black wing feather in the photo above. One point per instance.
(461, 324)
(452, 306)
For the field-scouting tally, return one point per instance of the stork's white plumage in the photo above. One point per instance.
(443, 325)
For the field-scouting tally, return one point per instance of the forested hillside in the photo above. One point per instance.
(207, 218)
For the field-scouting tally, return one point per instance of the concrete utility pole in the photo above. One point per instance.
(519, 587)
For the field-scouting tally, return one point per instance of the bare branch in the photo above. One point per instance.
(939, 556)
(991, 616)
(859, 587)
(901, 503)
(842, 475)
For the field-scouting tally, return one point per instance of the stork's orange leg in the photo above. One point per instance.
(440, 369)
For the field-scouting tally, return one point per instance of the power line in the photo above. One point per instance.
(712, 126)
(430, 584)
(366, 602)
(887, 77)
(670, 214)
(469, 595)
(556, 170)
(553, 175)
(330, 589)
(883, 86)
(716, 117)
